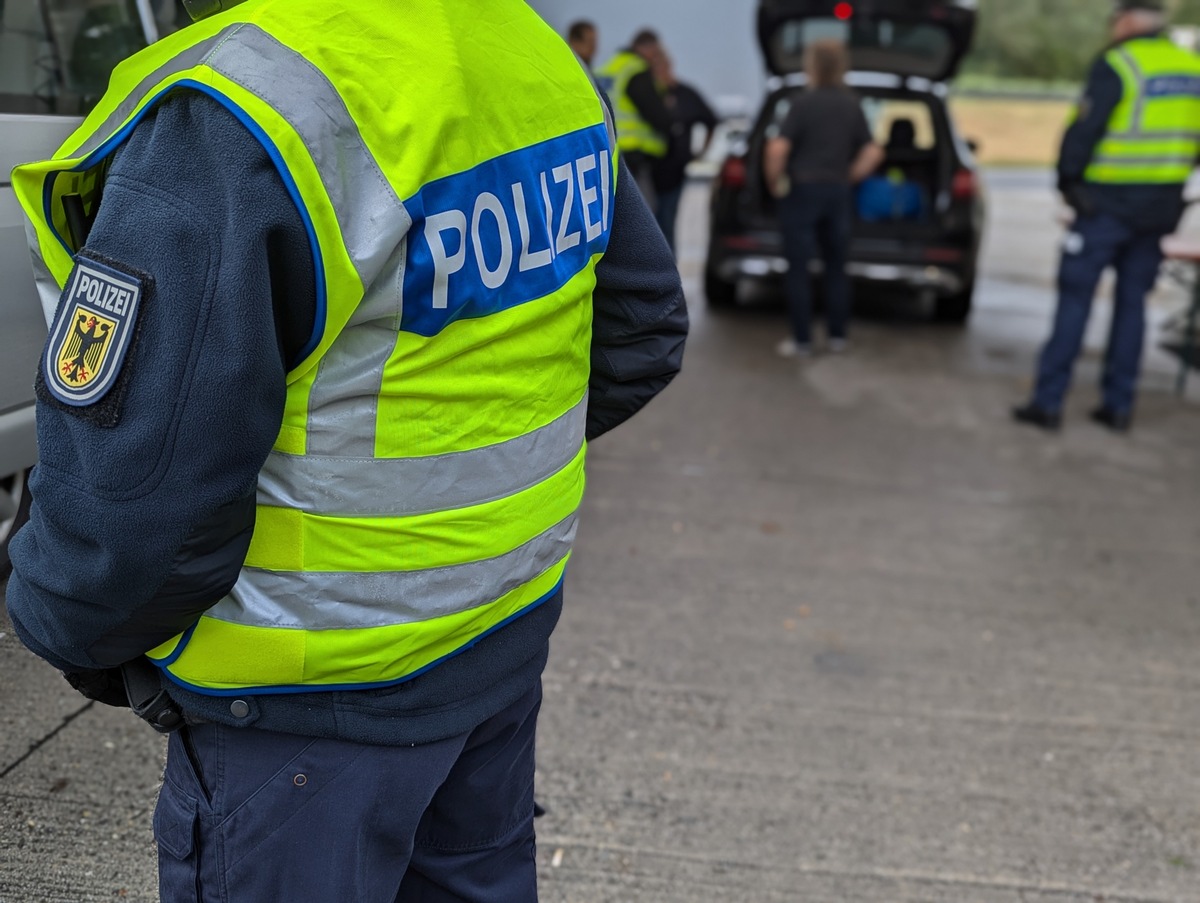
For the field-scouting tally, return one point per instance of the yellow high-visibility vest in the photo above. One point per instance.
(1153, 135)
(455, 169)
(634, 134)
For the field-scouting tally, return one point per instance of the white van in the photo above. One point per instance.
(55, 59)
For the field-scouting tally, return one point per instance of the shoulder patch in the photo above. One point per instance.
(92, 332)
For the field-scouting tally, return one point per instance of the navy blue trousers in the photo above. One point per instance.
(666, 212)
(1095, 243)
(817, 217)
(248, 816)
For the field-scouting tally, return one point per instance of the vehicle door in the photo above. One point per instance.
(55, 61)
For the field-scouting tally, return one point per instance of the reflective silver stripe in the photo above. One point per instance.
(1145, 161)
(1139, 103)
(324, 601)
(48, 288)
(187, 59)
(347, 385)
(383, 487)
(1150, 137)
(371, 217)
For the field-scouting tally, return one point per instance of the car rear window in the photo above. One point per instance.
(875, 44)
(894, 120)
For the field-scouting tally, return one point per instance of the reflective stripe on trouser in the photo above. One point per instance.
(258, 817)
(1100, 241)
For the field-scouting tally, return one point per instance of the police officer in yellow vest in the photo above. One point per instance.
(642, 118)
(337, 294)
(1125, 159)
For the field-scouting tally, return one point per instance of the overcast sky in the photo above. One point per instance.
(713, 43)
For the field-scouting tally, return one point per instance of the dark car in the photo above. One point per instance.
(919, 221)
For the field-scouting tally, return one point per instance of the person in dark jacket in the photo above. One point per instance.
(582, 38)
(643, 119)
(823, 149)
(689, 110)
(1122, 169)
(144, 504)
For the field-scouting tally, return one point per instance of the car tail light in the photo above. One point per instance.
(733, 172)
(741, 242)
(943, 255)
(964, 186)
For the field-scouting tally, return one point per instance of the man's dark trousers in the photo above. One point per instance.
(666, 212)
(1095, 243)
(248, 816)
(817, 217)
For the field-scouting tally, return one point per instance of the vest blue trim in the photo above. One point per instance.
(120, 136)
(334, 688)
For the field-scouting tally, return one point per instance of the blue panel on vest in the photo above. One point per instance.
(1173, 86)
(509, 231)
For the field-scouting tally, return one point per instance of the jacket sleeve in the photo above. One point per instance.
(640, 318)
(643, 93)
(1101, 96)
(142, 512)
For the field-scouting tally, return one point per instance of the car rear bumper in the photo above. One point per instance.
(922, 277)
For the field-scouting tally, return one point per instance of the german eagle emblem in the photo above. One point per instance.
(90, 339)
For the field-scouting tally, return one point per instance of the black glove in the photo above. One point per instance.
(1078, 197)
(103, 686)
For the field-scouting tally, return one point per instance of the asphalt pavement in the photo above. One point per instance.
(835, 631)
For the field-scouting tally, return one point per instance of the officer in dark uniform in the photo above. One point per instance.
(258, 212)
(1124, 162)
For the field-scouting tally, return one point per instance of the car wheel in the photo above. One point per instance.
(955, 309)
(719, 292)
(16, 490)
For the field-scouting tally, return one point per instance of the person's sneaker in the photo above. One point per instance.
(1116, 421)
(793, 349)
(1032, 415)
(838, 346)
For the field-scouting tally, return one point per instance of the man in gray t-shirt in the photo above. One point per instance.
(822, 150)
(827, 131)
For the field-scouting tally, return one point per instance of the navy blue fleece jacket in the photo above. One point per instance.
(143, 505)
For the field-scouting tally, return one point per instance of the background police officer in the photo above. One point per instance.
(643, 119)
(324, 467)
(1124, 162)
(583, 38)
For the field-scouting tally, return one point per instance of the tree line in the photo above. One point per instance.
(1054, 40)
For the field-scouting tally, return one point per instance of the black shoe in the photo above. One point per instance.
(1114, 420)
(1032, 415)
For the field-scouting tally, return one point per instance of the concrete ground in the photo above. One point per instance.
(835, 632)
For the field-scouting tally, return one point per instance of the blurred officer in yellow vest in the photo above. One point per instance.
(1125, 159)
(643, 120)
(337, 295)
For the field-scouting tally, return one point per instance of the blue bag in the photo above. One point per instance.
(890, 198)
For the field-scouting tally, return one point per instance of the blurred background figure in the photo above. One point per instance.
(643, 120)
(582, 38)
(1124, 163)
(688, 110)
(823, 149)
